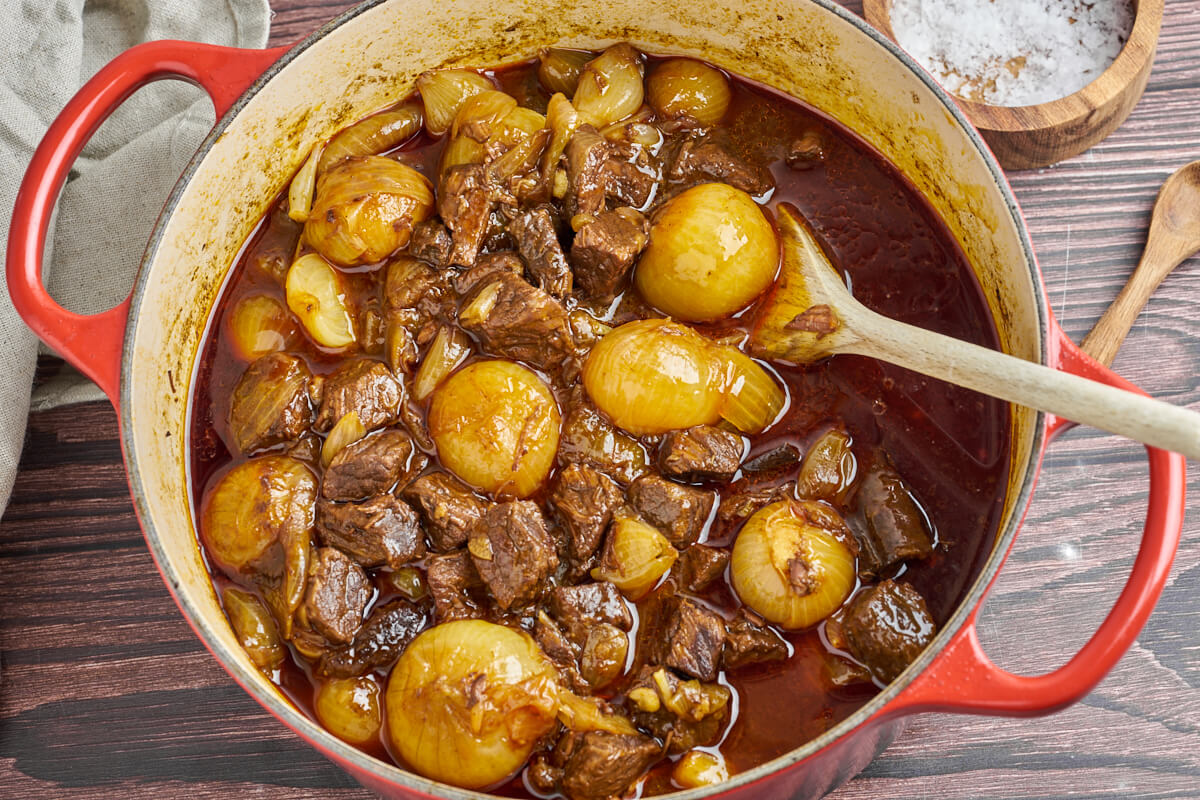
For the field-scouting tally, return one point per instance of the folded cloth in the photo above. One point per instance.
(118, 185)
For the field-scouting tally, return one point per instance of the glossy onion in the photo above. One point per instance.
(349, 708)
(376, 134)
(828, 469)
(559, 69)
(315, 294)
(345, 432)
(635, 556)
(654, 376)
(496, 426)
(787, 569)
(443, 91)
(699, 768)
(302, 187)
(254, 628)
(468, 700)
(610, 87)
(686, 87)
(450, 347)
(255, 504)
(712, 251)
(258, 325)
(365, 210)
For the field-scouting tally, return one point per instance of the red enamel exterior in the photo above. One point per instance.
(961, 679)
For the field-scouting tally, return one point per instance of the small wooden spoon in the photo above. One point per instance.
(1174, 237)
(812, 315)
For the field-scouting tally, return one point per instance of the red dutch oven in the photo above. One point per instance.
(143, 352)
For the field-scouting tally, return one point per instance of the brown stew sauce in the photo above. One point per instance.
(950, 444)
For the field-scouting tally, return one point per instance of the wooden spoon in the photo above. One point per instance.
(1174, 237)
(812, 315)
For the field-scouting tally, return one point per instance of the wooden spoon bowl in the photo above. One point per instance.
(1023, 137)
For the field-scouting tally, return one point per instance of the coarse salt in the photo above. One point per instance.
(1012, 52)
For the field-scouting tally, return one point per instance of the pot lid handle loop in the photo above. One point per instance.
(93, 343)
(963, 679)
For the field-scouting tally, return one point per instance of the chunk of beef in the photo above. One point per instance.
(631, 183)
(603, 765)
(588, 438)
(887, 626)
(374, 532)
(487, 266)
(589, 604)
(414, 286)
(806, 151)
(537, 242)
(709, 156)
(370, 466)
(586, 154)
(559, 649)
(338, 592)
(738, 507)
(584, 500)
(364, 386)
(777, 459)
(449, 509)
(513, 552)
(431, 243)
(378, 643)
(698, 566)
(270, 403)
(685, 714)
(894, 528)
(684, 635)
(452, 580)
(679, 512)
(604, 251)
(749, 641)
(513, 319)
(465, 205)
(701, 453)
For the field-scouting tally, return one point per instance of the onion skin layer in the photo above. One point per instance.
(468, 700)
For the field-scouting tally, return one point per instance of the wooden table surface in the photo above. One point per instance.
(107, 693)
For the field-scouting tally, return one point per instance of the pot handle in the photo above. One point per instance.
(964, 680)
(93, 343)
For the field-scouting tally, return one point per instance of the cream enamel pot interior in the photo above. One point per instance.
(144, 351)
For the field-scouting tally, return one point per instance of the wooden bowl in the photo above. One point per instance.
(1023, 137)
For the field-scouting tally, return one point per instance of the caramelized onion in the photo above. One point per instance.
(450, 348)
(559, 69)
(610, 87)
(348, 430)
(254, 628)
(376, 134)
(443, 92)
(315, 294)
(636, 555)
(258, 325)
(350, 708)
(684, 87)
(300, 191)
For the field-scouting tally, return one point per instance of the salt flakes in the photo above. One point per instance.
(1012, 52)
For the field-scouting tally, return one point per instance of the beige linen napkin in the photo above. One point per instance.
(119, 184)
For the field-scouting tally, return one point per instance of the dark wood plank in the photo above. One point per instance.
(105, 692)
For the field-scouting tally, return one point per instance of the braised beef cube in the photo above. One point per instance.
(679, 512)
(270, 403)
(586, 154)
(487, 266)
(777, 459)
(381, 530)
(604, 251)
(370, 466)
(740, 506)
(584, 500)
(465, 205)
(378, 643)
(537, 242)
(894, 528)
(710, 157)
(513, 552)
(453, 581)
(543, 776)
(365, 387)
(806, 152)
(513, 319)
(414, 286)
(887, 626)
(588, 438)
(631, 183)
(603, 765)
(702, 453)
(338, 592)
(698, 566)
(431, 243)
(449, 509)
(550, 636)
(683, 635)
(684, 714)
(589, 604)
(749, 641)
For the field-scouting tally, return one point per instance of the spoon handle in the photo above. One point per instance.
(1137, 417)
